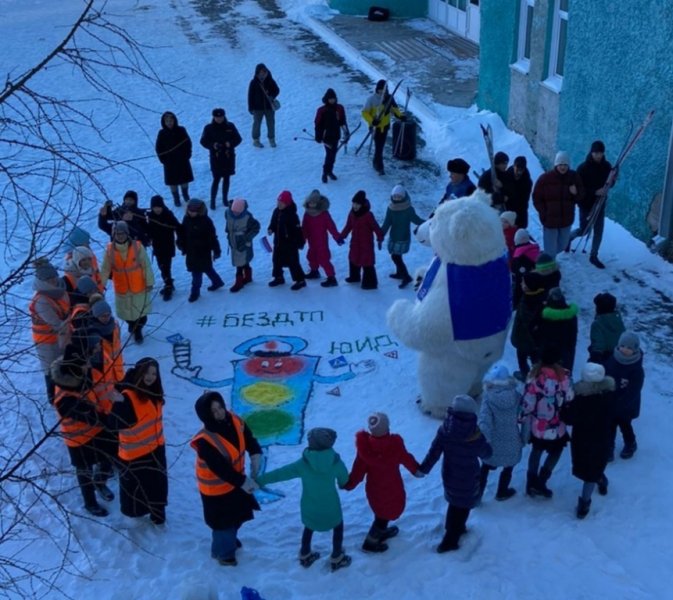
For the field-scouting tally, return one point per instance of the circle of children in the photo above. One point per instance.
(112, 420)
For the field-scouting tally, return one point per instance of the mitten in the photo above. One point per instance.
(249, 485)
(255, 464)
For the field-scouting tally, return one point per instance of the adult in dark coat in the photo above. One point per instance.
(143, 481)
(517, 186)
(163, 228)
(460, 184)
(591, 415)
(527, 322)
(558, 327)
(130, 213)
(174, 150)
(593, 172)
(220, 137)
(626, 368)
(262, 93)
(461, 445)
(362, 226)
(555, 194)
(330, 119)
(199, 243)
(288, 239)
(225, 513)
(496, 189)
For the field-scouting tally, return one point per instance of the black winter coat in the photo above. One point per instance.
(527, 322)
(260, 91)
(174, 150)
(236, 507)
(162, 230)
(517, 192)
(199, 242)
(137, 224)
(593, 175)
(558, 327)
(215, 138)
(591, 414)
(288, 238)
(486, 183)
(629, 380)
(329, 120)
(461, 443)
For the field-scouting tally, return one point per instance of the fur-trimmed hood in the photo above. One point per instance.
(65, 377)
(316, 203)
(590, 388)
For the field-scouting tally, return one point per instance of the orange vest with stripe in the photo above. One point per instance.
(209, 483)
(127, 275)
(75, 433)
(43, 333)
(95, 273)
(148, 432)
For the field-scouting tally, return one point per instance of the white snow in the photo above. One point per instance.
(518, 549)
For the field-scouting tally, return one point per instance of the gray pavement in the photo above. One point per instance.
(439, 67)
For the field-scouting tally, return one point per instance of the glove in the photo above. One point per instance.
(216, 254)
(249, 485)
(380, 244)
(375, 122)
(419, 474)
(255, 463)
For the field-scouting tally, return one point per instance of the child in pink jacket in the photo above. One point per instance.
(316, 224)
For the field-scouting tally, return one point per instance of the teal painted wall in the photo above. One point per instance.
(619, 67)
(497, 44)
(398, 8)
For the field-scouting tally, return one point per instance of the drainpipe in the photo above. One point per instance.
(664, 237)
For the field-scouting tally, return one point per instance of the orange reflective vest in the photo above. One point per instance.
(209, 483)
(95, 273)
(127, 275)
(43, 332)
(148, 432)
(75, 433)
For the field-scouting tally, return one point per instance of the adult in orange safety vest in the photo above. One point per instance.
(226, 491)
(127, 263)
(143, 482)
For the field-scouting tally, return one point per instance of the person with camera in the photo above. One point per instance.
(130, 213)
(220, 137)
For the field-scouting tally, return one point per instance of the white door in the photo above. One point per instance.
(437, 11)
(460, 16)
(473, 21)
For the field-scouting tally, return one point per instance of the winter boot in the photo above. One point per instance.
(340, 562)
(240, 281)
(329, 282)
(405, 282)
(176, 196)
(448, 544)
(103, 490)
(96, 509)
(504, 491)
(227, 562)
(583, 507)
(389, 532)
(215, 286)
(629, 450)
(353, 274)
(272, 142)
(247, 274)
(185, 194)
(374, 542)
(306, 560)
(168, 292)
(596, 263)
(297, 285)
(545, 474)
(369, 280)
(535, 487)
(276, 281)
(257, 144)
(324, 177)
(332, 176)
(313, 274)
(138, 334)
(603, 485)
(193, 297)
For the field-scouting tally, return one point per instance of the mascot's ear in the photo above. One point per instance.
(422, 232)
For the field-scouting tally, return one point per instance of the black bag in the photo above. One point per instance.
(377, 13)
(404, 140)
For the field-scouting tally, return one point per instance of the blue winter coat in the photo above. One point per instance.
(498, 421)
(458, 190)
(629, 380)
(462, 444)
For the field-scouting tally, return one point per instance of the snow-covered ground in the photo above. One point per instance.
(518, 549)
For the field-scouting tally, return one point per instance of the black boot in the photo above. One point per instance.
(629, 450)
(536, 487)
(373, 541)
(545, 474)
(353, 273)
(329, 282)
(276, 281)
(324, 176)
(312, 274)
(449, 543)
(332, 176)
(176, 197)
(583, 507)
(603, 485)
(504, 491)
(369, 279)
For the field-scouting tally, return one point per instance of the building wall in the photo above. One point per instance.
(618, 68)
(497, 47)
(398, 8)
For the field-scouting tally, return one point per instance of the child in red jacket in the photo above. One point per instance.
(315, 225)
(379, 456)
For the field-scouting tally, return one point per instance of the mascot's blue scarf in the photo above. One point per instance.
(481, 299)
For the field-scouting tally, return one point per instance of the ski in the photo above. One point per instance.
(400, 138)
(628, 146)
(384, 111)
(344, 143)
(488, 141)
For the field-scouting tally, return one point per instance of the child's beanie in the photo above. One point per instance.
(378, 424)
(321, 438)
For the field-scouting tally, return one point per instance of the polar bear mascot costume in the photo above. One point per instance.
(460, 318)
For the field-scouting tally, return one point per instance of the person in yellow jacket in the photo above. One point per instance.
(127, 263)
(226, 491)
(143, 479)
(49, 311)
(376, 113)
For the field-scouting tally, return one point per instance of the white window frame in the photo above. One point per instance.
(522, 61)
(554, 81)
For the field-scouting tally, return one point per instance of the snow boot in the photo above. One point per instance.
(369, 279)
(297, 285)
(313, 274)
(138, 335)
(353, 274)
(535, 487)
(340, 561)
(389, 532)
(405, 282)
(324, 177)
(373, 543)
(176, 197)
(193, 297)
(247, 274)
(306, 560)
(276, 281)
(603, 485)
(629, 450)
(329, 282)
(227, 562)
(96, 509)
(104, 491)
(504, 491)
(272, 142)
(332, 176)
(583, 507)
(240, 281)
(167, 291)
(215, 286)
(448, 544)
(257, 144)
(545, 474)
(596, 263)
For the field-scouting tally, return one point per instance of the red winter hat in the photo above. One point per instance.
(285, 197)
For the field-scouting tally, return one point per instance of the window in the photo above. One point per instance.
(559, 39)
(525, 33)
